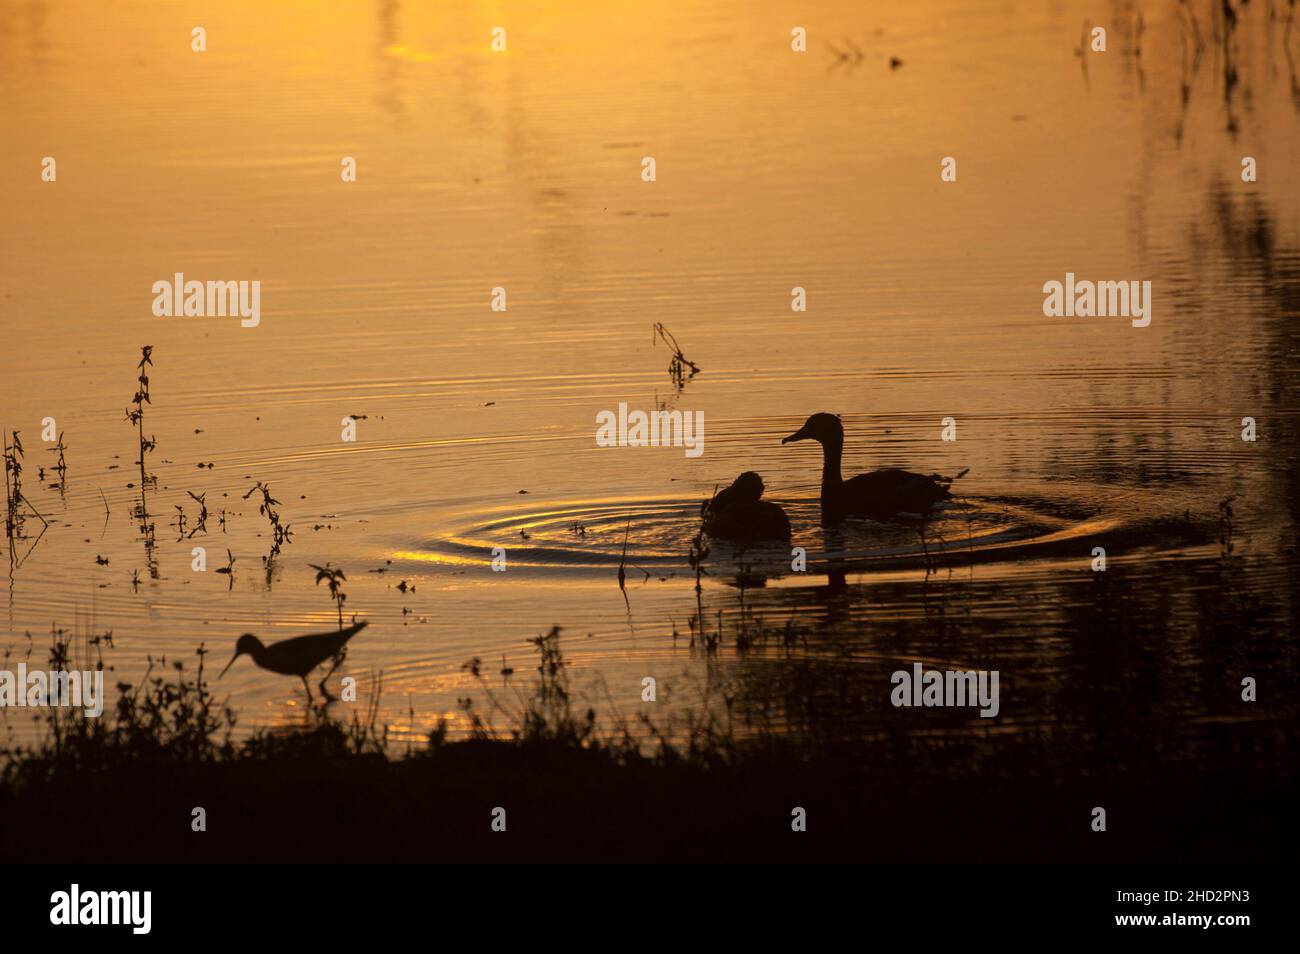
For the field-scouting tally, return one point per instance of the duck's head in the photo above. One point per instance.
(824, 428)
(745, 489)
(248, 644)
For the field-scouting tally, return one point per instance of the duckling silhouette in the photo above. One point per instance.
(736, 513)
(880, 494)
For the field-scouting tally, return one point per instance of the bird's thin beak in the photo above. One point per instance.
(229, 664)
(798, 435)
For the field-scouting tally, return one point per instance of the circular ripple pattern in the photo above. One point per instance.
(658, 535)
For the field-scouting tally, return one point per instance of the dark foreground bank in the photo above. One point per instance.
(130, 787)
(565, 804)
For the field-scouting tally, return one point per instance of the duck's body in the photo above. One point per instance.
(881, 494)
(751, 522)
(297, 656)
(887, 493)
(736, 513)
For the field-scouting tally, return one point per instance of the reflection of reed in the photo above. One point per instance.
(140, 513)
(60, 466)
(1222, 39)
(1233, 230)
(389, 97)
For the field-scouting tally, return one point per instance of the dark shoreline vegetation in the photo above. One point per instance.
(577, 787)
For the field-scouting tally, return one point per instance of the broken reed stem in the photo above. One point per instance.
(666, 336)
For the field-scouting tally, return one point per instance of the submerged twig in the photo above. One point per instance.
(677, 367)
(106, 512)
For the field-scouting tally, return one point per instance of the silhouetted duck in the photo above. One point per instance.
(880, 494)
(736, 513)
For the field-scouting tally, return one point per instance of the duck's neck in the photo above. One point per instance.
(832, 451)
(831, 483)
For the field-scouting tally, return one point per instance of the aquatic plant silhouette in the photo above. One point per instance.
(155, 718)
(61, 465)
(230, 563)
(17, 506)
(697, 555)
(622, 567)
(13, 453)
(333, 578)
(135, 414)
(135, 417)
(229, 569)
(200, 522)
(699, 549)
(546, 715)
(280, 532)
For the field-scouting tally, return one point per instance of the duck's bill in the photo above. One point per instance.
(798, 435)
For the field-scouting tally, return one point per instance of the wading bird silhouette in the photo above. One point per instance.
(297, 656)
(880, 494)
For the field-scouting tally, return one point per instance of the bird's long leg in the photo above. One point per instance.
(338, 661)
(307, 689)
